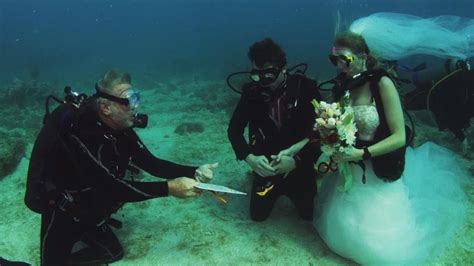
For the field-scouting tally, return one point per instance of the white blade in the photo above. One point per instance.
(218, 188)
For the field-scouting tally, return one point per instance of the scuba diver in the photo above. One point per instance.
(386, 218)
(276, 107)
(77, 172)
(447, 91)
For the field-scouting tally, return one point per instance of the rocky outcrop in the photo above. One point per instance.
(12, 148)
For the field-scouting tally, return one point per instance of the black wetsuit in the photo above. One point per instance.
(451, 100)
(90, 167)
(269, 135)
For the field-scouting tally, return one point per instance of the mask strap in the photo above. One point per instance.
(112, 98)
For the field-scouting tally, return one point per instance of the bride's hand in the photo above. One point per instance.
(291, 151)
(353, 154)
(287, 152)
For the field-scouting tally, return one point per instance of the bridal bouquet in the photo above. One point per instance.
(336, 126)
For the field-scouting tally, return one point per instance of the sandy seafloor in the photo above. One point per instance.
(202, 231)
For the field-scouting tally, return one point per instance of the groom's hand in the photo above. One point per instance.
(260, 165)
(283, 164)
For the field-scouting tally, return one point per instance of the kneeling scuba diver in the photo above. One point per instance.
(53, 163)
(446, 91)
(41, 190)
(280, 90)
(275, 108)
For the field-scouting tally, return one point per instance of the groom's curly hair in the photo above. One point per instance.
(267, 51)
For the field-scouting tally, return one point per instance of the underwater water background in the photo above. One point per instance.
(74, 41)
(179, 52)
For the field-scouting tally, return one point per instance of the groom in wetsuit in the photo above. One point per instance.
(277, 109)
(85, 171)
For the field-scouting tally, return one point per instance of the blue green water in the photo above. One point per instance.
(179, 53)
(75, 40)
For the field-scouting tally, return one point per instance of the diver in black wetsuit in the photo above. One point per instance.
(278, 111)
(447, 91)
(95, 146)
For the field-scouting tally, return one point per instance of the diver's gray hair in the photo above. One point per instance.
(111, 79)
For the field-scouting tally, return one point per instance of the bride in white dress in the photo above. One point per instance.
(378, 222)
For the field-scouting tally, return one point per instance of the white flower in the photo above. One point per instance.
(350, 134)
(331, 122)
(330, 112)
(320, 121)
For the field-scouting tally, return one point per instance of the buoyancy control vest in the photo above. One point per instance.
(42, 186)
(389, 166)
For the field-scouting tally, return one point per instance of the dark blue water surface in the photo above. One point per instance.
(77, 40)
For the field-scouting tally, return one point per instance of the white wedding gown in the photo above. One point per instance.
(403, 222)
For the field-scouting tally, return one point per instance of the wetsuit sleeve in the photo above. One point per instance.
(146, 161)
(103, 182)
(130, 191)
(235, 131)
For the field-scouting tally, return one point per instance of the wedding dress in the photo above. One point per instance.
(403, 222)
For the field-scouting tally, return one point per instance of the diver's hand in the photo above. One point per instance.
(293, 150)
(281, 154)
(284, 164)
(260, 165)
(204, 173)
(353, 154)
(183, 187)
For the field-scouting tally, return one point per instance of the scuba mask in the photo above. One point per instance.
(132, 100)
(264, 77)
(345, 59)
(133, 97)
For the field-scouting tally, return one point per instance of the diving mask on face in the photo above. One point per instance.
(345, 59)
(264, 76)
(132, 98)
